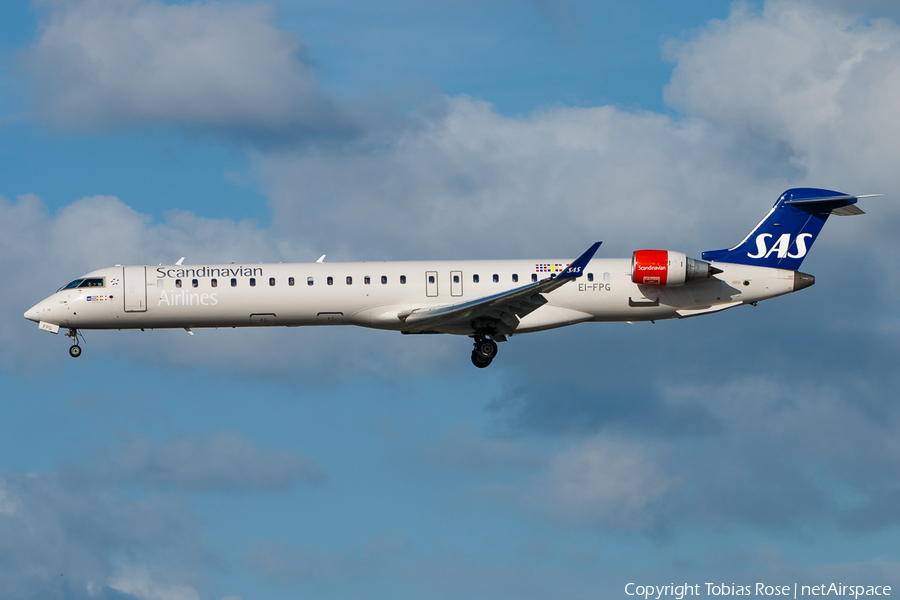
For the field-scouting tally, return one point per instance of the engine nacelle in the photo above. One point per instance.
(667, 268)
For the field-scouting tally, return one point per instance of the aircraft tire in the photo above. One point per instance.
(75, 351)
(486, 348)
(479, 361)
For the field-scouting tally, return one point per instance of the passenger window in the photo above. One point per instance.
(606, 277)
(194, 283)
(496, 278)
(214, 282)
(309, 281)
(474, 278)
(253, 282)
(178, 283)
(290, 281)
(431, 279)
(271, 281)
(590, 276)
(330, 281)
(384, 279)
(233, 282)
(367, 280)
(349, 280)
(515, 278)
(160, 283)
(403, 279)
(533, 277)
(456, 279)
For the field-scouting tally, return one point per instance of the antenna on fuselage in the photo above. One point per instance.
(180, 260)
(321, 259)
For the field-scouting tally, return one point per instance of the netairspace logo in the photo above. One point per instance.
(760, 589)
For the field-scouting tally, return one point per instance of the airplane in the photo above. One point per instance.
(486, 300)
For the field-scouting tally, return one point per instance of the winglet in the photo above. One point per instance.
(576, 268)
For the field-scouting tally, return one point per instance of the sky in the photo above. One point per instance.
(755, 445)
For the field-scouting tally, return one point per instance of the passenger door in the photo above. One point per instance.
(135, 286)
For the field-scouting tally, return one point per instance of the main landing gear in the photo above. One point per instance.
(484, 352)
(75, 349)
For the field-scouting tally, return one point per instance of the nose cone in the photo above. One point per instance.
(802, 280)
(34, 313)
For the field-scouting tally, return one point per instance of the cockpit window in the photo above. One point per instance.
(72, 285)
(83, 283)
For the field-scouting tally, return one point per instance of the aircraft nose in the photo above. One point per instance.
(34, 313)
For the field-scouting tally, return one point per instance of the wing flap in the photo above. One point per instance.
(693, 312)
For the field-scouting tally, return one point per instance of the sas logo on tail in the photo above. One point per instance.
(781, 246)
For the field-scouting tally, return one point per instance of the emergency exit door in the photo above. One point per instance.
(135, 286)
(456, 283)
(431, 284)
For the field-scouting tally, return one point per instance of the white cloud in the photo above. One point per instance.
(139, 582)
(794, 96)
(61, 540)
(472, 183)
(817, 80)
(102, 64)
(847, 429)
(606, 481)
(782, 454)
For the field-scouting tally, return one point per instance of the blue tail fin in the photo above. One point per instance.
(786, 234)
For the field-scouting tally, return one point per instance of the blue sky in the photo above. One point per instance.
(754, 445)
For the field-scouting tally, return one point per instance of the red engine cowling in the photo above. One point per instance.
(667, 268)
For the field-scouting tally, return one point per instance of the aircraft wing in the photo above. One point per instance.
(501, 311)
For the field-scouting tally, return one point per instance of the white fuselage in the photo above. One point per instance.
(378, 294)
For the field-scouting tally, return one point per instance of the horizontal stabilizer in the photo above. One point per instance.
(845, 210)
(830, 198)
(848, 211)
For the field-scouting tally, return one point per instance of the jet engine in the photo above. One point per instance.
(666, 268)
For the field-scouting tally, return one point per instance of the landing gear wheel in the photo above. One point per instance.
(486, 348)
(75, 349)
(480, 361)
(484, 352)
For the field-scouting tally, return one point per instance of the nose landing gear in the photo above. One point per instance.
(484, 352)
(74, 349)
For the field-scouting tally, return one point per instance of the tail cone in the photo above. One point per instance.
(802, 280)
